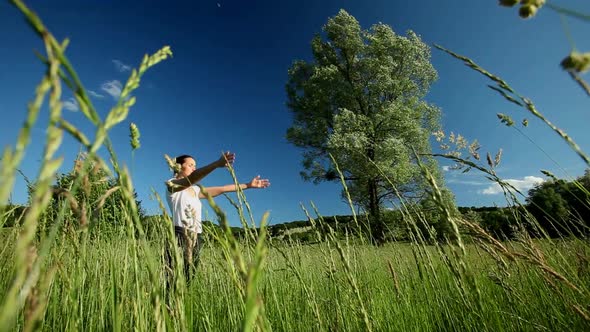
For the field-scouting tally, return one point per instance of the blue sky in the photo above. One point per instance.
(224, 87)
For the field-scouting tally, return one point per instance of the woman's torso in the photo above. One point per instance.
(185, 206)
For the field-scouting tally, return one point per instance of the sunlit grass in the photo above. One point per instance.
(99, 290)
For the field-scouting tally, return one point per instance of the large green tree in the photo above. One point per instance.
(361, 99)
(562, 207)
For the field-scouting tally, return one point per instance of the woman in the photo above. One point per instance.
(183, 196)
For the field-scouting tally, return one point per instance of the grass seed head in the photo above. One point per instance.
(505, 119)
(473, 149)
(439, 135)
(490, 161)
(549, 174)
(509, 3)
(172, 164)
(498, 158)
(576, 62)
(528, 11)
(134, 135)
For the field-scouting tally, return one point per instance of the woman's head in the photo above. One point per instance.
(187, 165)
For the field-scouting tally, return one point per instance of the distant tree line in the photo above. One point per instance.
(555, 208)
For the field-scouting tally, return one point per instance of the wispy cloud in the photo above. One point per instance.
(523, 185)
(71, 105)
(121, 67)
(113, 88)
(466, 182)
(95, 94)
(446, 168)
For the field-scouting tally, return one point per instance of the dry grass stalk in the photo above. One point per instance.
(478, 231)
(394, 277)
(582, 312)
(526, 102)
(583, 84)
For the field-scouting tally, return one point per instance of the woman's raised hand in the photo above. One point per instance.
(257, 182)
(226, 159)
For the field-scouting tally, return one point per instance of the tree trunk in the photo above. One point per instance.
(377, 227)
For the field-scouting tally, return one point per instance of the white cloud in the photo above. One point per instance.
(121, 67)
(113, 88)
(95, 94)
(523, 185)
(446, 168)
(467, 182)
(71, 105)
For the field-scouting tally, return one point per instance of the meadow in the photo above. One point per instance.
(59, 271)
(102, 285)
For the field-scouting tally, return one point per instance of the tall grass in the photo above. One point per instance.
(309, 288)
(62, 278)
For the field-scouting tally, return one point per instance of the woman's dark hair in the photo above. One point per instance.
(180, 159)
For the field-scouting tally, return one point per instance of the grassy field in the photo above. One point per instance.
(107, 285)
(329, 286)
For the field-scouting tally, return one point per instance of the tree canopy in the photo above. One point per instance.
(361, 100)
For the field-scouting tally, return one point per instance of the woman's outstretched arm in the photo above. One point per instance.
(255, 183)
(198, 174)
